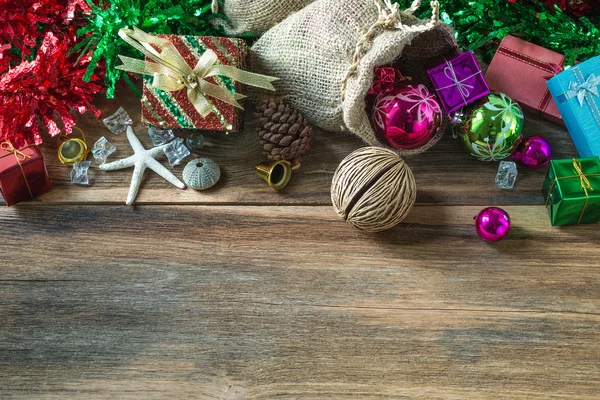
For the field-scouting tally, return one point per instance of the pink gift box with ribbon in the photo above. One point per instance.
(458, 82)
(520, 70)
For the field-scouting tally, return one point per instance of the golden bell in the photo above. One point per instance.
(73, 150)
(277, 174)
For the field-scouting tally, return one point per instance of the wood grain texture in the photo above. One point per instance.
(240, 292)
(447, 174)
(263, 302)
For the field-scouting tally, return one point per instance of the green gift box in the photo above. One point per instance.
(572, 191)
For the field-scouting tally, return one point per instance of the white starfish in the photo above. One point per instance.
(141, 160)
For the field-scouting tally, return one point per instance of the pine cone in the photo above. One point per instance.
(283, 131)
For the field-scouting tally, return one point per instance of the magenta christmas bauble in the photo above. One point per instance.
(534, 152)
(492, 224)
(406, 116)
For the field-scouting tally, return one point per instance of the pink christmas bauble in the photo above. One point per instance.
(492, 224)
(406, 116)
(534, 152)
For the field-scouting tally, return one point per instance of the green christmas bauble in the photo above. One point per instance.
(492, 128)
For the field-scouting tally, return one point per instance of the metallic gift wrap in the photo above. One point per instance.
(458, 82)
(575, 92)
(166, 110)
(572, 191)
(23, 173)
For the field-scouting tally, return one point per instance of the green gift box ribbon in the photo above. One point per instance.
(569, 190)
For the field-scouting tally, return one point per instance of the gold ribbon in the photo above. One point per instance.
(583, 181)
(172, 73)
(9, 148)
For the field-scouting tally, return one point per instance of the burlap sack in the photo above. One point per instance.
(325, 54)
(255, 16)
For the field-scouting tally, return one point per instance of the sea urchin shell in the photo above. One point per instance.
(201, 173)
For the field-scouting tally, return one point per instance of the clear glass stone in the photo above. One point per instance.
(507, 175)
(195, 141)
(159, 136)
(102, 149)
(176, 152)
(79, 173)
(118, 122)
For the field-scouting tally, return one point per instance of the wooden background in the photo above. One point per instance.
(240, 292)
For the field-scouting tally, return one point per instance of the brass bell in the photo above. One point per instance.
(73, 150)
(277, 174)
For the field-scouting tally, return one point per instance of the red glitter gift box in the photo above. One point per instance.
(23, 173)
(520, 70)
(174, 110)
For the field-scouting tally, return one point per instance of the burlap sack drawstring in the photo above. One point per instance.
(331, 47)
(389, 18)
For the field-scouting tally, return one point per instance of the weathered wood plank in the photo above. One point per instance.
(444, 175)
(288, 302)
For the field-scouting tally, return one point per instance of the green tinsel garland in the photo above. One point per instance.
(480, 24)
(182, 17)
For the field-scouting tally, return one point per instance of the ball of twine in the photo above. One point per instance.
(373, 189)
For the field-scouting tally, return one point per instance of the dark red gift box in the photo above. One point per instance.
(23, 173)
(520, 70)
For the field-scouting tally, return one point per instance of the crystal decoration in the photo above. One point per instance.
(118, 122)
(159, 136)
(79, 173)
(507, 175)
(195, 141)
(103, 149)
(176, 152)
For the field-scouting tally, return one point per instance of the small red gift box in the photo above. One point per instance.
(520, 70)
(23, 173)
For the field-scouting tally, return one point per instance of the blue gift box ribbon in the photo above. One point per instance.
(584, 90)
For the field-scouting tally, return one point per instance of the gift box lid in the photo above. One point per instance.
(520, 69)
(576, 94)
(8, 157)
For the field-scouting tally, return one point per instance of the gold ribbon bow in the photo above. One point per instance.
(172, 73)
(583, 181)
(585, 185)
(10, 149)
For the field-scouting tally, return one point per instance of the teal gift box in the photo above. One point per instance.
(576, 93)
(572, 191)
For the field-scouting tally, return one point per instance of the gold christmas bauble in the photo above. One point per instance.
(373, 189)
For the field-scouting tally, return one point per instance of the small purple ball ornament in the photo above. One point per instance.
(492, 224)
(406, 116)
(535, 152)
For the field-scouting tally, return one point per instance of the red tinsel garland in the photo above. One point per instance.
(577, 8)
(35, 92)
(22, 18)
(4, 57)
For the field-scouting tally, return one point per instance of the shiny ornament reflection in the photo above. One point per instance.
(535, 152)
(406, 116)
(492, 224)
(491, 129)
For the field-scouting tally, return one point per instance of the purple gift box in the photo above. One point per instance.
(458, 82)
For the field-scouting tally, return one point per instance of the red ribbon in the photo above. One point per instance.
(552, 68)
